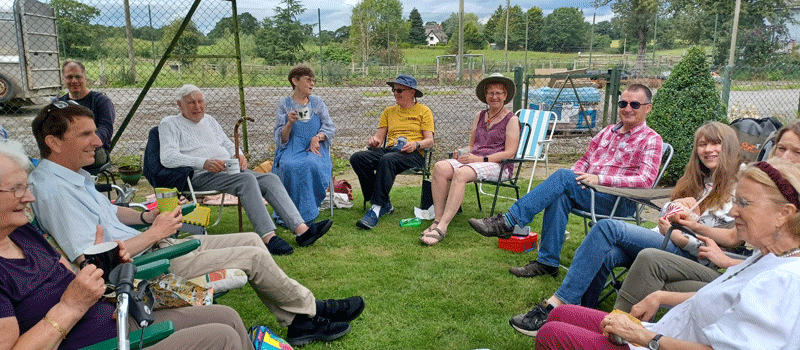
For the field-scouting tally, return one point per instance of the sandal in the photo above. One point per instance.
(430, 228)
(436, 234)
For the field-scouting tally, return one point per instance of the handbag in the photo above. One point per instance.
(342, 186)
(263, 339)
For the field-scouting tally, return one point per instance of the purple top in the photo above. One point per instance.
(491, 140)
(31, 286)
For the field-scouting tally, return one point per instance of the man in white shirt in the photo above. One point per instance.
(195, 139)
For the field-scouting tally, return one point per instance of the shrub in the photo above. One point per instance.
(687, 99)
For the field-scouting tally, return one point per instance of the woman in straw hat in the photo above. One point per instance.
(495, 136)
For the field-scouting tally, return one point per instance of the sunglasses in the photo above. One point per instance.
(634, 104)
(399, 91)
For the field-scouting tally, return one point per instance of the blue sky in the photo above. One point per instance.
(334, 14)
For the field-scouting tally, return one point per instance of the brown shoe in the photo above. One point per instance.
(533, 269)
(493, 226)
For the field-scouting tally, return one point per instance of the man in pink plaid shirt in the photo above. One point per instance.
(627, 154)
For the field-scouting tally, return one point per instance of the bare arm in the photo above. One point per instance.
(377, 139)
(635, 333)
(645, 309)
(80, 295)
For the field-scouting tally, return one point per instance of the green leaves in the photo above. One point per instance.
(686, 101)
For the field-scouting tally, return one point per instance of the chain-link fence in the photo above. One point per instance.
(118, 64)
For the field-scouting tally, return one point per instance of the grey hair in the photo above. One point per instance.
(13, 150)
(187, 89)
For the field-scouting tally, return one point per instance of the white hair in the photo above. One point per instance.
(187, 89)
(14, 151)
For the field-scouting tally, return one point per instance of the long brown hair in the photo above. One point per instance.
(723, 177)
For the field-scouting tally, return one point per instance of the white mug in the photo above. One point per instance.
(232, 166)
(303, 114)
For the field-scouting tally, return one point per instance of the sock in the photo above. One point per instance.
(376, 209)
(510, 222)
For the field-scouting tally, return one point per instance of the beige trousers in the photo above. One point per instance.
(283, 296)
(213, 327)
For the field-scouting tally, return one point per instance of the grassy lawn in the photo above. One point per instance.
(455, 295)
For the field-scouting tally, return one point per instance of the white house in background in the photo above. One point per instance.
(434, 34)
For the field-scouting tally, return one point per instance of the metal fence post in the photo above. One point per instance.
(518, 82)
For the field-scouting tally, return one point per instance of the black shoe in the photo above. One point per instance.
(340, 309)
(277, 246)
(533, 269)
(314, 232)
(304, 330)
(529, 323)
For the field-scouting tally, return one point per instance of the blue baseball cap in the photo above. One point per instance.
(406, 80)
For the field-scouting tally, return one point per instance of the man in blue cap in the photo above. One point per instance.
(408, 129)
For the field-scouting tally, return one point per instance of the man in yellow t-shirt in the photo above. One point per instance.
(409, 122)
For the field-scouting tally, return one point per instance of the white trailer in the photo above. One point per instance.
(29, 61)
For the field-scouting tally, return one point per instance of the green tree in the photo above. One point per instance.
(535, 20)
(638, 17)
(564, 30)
(76, 36)
(373, 22)
(606, 28)
(281, 38)
(473, 39)
(188, 42)
(450, 25)
(496, 23)
(342, 34)
(416, 34)
(687, 99)
(247, 25)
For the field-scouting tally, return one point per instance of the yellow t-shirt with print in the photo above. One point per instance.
(408, 122)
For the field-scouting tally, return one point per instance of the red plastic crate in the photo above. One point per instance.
(519, 244)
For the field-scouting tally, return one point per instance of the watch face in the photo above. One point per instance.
(653, 345)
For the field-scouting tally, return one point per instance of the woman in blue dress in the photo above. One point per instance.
(303, 134)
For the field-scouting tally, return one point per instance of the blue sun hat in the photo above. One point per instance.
(406, 80)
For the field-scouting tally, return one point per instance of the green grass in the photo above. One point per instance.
(455, 295)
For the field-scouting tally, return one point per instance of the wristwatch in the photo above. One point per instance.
(653, 344)
(417, 146)
(485, 159)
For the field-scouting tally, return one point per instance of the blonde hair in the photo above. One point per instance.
(691, 184)
(790, 172)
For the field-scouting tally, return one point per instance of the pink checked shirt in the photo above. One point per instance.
(628, 159)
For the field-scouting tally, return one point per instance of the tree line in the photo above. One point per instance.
(378, 31)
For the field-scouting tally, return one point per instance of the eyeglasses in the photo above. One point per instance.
(634, 104)
(399, 91)
(19, 191)
(742, 203)
(493, 94)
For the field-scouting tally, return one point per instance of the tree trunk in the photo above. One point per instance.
(642, 53)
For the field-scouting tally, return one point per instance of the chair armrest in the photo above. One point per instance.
(152, 335)
(152, 269)
(168, 252)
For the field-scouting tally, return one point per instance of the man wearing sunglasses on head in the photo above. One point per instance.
(407, 129)
(627, 154)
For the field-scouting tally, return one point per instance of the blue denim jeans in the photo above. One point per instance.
(557, 195)
(609, 244)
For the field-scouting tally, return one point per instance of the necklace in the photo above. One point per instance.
(790, 253)
(748, 265)
(489, 120)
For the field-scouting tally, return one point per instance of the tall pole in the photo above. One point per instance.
(726, 87)
(526, 41)
(508, 13)
(460, 58)
(655, 30)
(321, 65)
(591, 41)
(129, 34)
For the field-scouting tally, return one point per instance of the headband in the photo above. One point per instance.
(787, 190)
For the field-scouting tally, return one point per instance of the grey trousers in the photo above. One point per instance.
(283, 296)
(213, 327)
(656, 269)
(250, 187)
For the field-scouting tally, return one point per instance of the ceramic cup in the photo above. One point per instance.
(232, 166)
(104, 255)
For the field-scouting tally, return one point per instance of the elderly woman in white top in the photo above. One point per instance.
(753, 305)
